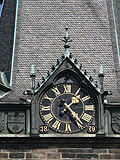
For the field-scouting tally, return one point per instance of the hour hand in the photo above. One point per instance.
(74, 115)
(74, 100)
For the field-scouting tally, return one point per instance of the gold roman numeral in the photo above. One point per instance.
(85, 98)
(76, 93)
(89, 107)
(50, 99)
(56, 125)
(67, 127)
(48, 117)
(67, 88)
(86, 117)
(45, 108)
(56, 91)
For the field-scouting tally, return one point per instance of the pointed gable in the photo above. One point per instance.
(67, 66)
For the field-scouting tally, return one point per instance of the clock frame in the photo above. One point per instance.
(67, 108)
(64, 86)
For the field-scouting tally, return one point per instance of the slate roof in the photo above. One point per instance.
(40, 29)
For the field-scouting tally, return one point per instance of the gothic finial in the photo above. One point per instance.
(66, 34)
(67, 38)
(71, 55)
(90, 78)
(48, 73)
(32, 73)
(76, 62)
(58, 62)
(101, 74)
(32, 76)
(63, 56)
(53, 67)
(101, 77)
(43, 78)
(81, 66)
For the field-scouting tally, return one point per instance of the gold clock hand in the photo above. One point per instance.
(75, 115)
(67, 106)
(74, 101)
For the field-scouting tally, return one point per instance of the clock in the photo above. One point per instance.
(67, 108)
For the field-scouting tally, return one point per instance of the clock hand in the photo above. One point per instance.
(75, 115)
(74, 100)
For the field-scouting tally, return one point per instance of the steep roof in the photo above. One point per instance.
(40, 28)
(67, 58)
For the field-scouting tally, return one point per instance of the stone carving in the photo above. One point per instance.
(16, 121)
(116, 122)
(2, 120)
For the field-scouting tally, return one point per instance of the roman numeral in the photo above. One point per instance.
(67, 127)
(50, 99)
(76, 93)
(56, 91)
(86, 117)
(45, 108)
(56, 125)
(89, 107)
(85, 98)
(48, 117)
(67, 88)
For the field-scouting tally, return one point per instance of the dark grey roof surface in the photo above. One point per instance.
(40, 29)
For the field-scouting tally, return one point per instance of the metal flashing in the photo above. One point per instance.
(116, 34)
(14, 39)
(1, 7)
(4, 85)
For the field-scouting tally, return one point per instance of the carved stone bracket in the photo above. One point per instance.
(116, 122)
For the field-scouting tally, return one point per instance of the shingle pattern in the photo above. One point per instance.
(40, 31)
(114, 14)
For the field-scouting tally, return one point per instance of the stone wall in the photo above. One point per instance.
(63, 154)
(60, 149)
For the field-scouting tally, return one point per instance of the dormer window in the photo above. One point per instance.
(1, 6)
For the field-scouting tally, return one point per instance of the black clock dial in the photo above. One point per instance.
(67, 108)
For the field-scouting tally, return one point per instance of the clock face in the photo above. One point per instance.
(67, 108)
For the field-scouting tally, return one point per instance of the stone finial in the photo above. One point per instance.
(101, 73)
(71, 55)
(32, 76)
(75, 61)
(101, 77)
(67, 38)
(32, 73)
(81, 66)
